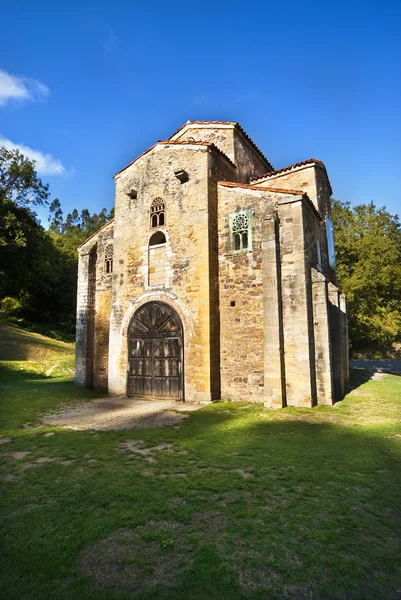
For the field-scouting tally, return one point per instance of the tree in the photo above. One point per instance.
(56, 217)
(36, 277)
(68, 234)
(38, 268)
(19, 181)
(368, 252)
(20, 187)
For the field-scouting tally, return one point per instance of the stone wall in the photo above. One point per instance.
(266, 323)
(230, 140)
(157, 265)
(310, 178)
(296, 303)
(93, 312)
(221, 136)
(241, 298)
(274, 360)
(85, 317)
(189, 272)
(248, 160)
(102, 308)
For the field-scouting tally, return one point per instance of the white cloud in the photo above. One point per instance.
(45, 164)
(14, 88)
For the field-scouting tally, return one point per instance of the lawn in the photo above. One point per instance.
(235, 502)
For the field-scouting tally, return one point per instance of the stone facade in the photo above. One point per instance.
(227, 292)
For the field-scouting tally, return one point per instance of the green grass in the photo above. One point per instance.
(17, 344)
(248, 503)
(50, 330)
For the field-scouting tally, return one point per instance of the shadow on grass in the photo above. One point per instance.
(20, 374)
(358, 377)
(317, 515)
(270, 507)
(17, 344)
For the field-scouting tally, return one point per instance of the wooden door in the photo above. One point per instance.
(155, 352)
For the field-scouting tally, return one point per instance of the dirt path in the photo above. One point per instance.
(105, 414)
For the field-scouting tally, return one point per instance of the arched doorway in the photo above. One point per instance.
(155, 352)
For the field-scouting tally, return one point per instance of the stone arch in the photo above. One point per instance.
(155, 352)
(160, 296)
(157, 238)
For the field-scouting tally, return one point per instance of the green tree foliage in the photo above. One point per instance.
(18, 179)
(368, 253)
(19, 188)
(68, 234)
(38, 268)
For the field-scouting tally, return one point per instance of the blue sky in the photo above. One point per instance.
(90, 85)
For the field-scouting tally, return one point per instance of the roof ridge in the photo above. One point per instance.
(260, 188)
(96, 232)
(165, 142)
(135, 159)
(197, 143)
(298, 164)
(235, 125)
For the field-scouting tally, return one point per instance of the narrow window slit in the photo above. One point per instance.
(108, 259)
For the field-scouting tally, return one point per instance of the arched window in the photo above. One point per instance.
(157, 238)
(157, 213)
(108, 259)
(157, 253)
(240, 227)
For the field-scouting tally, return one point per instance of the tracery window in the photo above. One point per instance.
(240, 229)
(157, 213)
(108, 259)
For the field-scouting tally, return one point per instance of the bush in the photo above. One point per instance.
(10, 307)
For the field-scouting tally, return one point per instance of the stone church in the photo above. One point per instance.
(216, 278)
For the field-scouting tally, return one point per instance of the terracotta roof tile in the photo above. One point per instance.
(260, 188)
(202, 123)
(299, 164)
(178, 143)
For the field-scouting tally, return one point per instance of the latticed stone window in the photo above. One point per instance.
(157, 213)
(108, 258)
(241, 231)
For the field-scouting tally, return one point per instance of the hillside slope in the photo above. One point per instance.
(17, 344)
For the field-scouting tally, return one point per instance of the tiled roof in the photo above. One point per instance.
(178, 143)
(299, 164)
(202, 123)
(96, 232)
(234, 124)
(260, 188)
